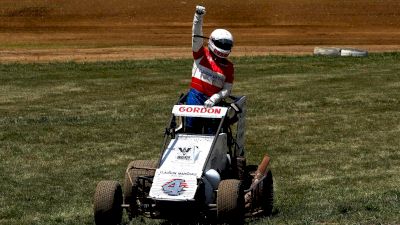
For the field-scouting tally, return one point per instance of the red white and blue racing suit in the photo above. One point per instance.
(212, 77)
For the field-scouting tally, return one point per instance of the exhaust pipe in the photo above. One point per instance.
(262, 169)
(260, 173)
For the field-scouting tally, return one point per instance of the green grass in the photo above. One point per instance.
(331, 126)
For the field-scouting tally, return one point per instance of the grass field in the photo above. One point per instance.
(331, 126)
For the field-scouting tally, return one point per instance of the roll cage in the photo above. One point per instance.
(235, 112)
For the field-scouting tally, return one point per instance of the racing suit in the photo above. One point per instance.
(212, 77)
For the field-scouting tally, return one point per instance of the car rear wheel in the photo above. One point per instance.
(268, 194)
(230, 202)
(135, 169)
(108, 203)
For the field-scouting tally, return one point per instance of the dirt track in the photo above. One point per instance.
(36, 30)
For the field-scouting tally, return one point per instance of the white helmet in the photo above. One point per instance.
(220, 42)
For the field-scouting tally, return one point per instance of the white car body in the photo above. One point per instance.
(189, 157)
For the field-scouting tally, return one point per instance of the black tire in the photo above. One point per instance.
(250, 173)
(268, 194)
(108, 203)
(230, 202)
(240, 170)
(130, 187)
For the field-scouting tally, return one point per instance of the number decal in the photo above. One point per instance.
(174, 187)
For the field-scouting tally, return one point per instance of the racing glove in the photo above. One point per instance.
(200, 10)
(215, 98)
(209, 103)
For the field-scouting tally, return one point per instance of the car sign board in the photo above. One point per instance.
(199, 111)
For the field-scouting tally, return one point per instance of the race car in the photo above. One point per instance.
(199, 176)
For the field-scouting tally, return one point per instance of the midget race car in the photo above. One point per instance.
(199, 176)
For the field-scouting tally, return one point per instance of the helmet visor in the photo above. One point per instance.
(224, 44)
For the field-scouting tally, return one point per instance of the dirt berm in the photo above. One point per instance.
(42, 30)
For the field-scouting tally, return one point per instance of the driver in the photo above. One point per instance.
(212, 72)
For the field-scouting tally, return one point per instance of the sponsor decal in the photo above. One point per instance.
(174, 187)
(177, 173)
(186, 153)
(220, 54)
(199, 109)
(211, 77)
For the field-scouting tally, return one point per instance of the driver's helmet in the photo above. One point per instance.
(220, 43)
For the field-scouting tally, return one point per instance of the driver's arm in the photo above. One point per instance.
(197, 29)
(215, 98)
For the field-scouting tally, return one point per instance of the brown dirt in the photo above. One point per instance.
(64, 30)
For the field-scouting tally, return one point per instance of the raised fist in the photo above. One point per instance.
(200, 10)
